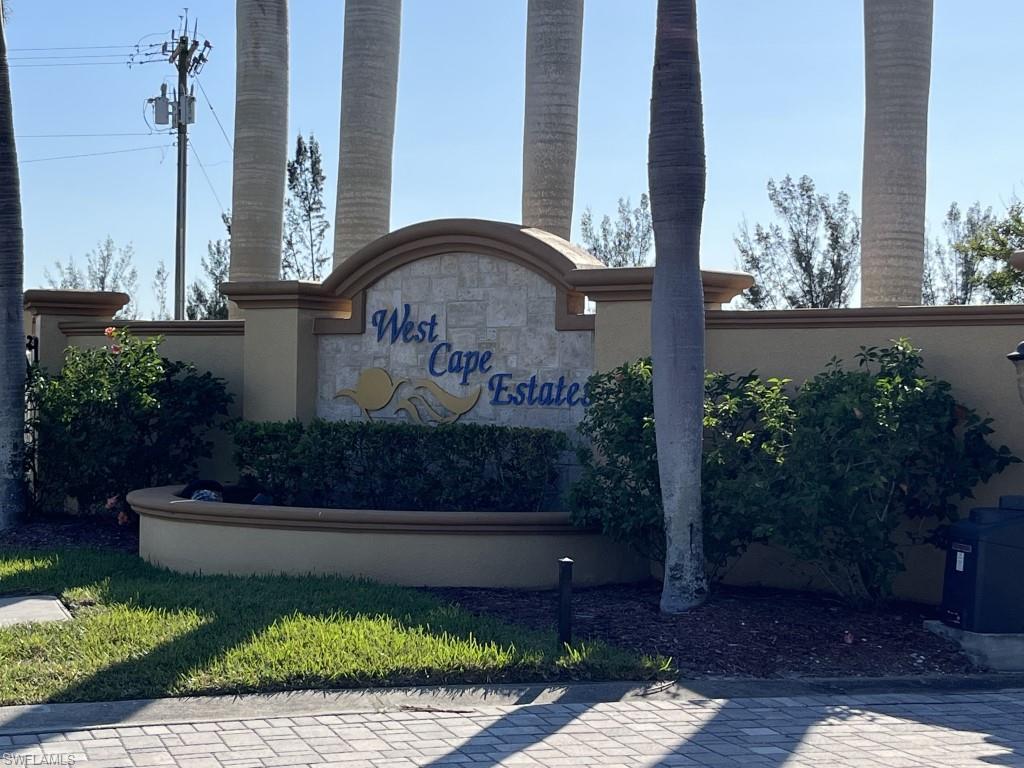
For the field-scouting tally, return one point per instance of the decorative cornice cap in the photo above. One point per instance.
(156, 327)
(106, 304)
(634, 284)
(870, 317)
(283, 294)
(544, 253)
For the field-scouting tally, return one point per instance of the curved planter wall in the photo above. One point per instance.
(465, 549)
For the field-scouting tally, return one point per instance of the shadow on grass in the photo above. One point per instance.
(185, 635)
(237, 639)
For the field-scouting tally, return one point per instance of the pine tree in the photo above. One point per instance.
(205, 301)
(627, 242)
(107, 268)
(160, 291)
(305, 225)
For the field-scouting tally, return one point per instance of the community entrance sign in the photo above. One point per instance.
(467, 336)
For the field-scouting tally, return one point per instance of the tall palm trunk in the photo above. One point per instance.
(676, 172)
(261, 139)
(897, 70)
(12, 362)
(554, 41)
(369, 93)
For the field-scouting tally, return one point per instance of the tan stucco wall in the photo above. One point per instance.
(221, 355)
(971, 357)
(622, 332)
(272, 371)
(280, 364)
(415, 559)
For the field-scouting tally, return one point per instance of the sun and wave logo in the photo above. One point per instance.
(375, 390)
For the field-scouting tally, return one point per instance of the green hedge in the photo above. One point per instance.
(375, 465)
(117, 418)
(829, 473)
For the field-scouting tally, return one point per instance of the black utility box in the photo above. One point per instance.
(983, 589)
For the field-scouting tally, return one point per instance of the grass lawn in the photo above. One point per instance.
(141, 632)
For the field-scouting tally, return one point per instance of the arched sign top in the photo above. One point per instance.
(548, 255)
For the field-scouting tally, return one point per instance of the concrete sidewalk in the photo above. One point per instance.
(708, 723)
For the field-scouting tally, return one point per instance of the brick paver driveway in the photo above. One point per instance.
(891, 730)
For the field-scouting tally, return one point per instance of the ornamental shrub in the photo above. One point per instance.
(872, 449)
(118, 418)
(747, 422)
(380, 465)
(830, 474)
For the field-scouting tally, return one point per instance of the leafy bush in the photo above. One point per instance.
(871, 449)
(829, 474)
(746, 421)
(376, 465)
(117, 418)
(748, 424)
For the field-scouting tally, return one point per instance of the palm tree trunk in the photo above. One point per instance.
(677, 170)
(554, 42)
(12, 363)
(261, 139)
(897, 70)
(369, 93)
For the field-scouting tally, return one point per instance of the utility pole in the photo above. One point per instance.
(183, 56)
(184, 53)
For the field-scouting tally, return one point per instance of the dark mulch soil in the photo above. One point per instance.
(737, 633)
(97, 532)
(741, 632)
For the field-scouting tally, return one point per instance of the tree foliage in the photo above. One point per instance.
(205, 301)
(161, 290)
(625, 243)
(971, 264)
(107, 268)
(873, 448)
(746, 425)
(1004, 283)
(118, 418)
(305, 256)
(809, 258)
(954, 270)
(830, 473)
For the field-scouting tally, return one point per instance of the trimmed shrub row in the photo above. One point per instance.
(377, 465)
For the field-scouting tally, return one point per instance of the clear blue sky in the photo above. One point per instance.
(783, 93)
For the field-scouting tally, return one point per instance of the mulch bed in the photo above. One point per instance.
(740, 632)
(99, 532)
(737, 633)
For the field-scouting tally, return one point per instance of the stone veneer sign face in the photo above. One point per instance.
(464, 337)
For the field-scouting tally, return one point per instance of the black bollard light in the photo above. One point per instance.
(565, 601)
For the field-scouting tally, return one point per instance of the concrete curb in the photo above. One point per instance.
(38, 718)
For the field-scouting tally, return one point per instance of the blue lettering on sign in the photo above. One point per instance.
(404, 328)
(431, 364)
(394, 326)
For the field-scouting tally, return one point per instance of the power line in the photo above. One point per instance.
(94, 154)
(70, 56)
(128, 63)
(124, 63)
(79, 135)
(219, 124)
(76, 48)
(209, 183)
(138, 55)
